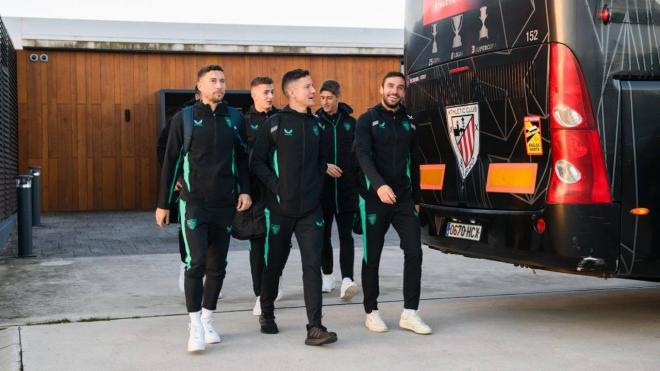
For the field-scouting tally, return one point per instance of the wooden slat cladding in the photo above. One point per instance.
(71, 111)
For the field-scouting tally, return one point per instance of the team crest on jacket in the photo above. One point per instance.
(347, 126)
(275, 228)
(315, 129)
(463, 129)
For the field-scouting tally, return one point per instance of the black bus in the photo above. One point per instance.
(539, 126)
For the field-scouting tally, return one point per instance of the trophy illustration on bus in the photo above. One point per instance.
(456, 24)
(435, 43)
(483, 33)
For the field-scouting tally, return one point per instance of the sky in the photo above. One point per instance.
(335, 13)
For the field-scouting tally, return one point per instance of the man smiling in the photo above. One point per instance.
(387, 149)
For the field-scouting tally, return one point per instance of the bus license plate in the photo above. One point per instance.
(464, 231)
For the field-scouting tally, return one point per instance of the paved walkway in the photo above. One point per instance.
(118, 309)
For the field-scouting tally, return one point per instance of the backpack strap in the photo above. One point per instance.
(235, 118)
(187, 117)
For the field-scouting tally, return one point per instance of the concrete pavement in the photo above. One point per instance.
(612, 330)
(123, 311)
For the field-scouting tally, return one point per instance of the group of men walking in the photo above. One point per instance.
(294, 172)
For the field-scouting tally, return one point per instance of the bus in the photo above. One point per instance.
(539, 131)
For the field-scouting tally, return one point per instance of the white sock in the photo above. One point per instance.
(407, 312)
(346, 279)
(195, 317)
(206, 314)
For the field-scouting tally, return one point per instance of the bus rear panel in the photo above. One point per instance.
(536, 131)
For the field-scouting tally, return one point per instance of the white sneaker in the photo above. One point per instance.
(348, 289)
(374, 323)
(196, 338)
(280, 291)
(182, 277)
(257, 307)
(410, 321)
(210, 335)
(328, 283)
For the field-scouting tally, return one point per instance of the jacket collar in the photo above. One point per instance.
(399, 113)
(253, 111)
(220, 109)
(288, 109)
(343, 108)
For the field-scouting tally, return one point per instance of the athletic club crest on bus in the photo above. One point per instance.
(463, 128)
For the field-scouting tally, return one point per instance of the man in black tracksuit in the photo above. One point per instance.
(215, 177)
(287, 158)
(387, 149)
(262, 92)
(340, 195)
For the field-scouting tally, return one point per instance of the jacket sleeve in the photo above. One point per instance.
(414, 167)
(162, 142)
(364, 151)
(260, 163)
(171, 162)
(242, 163)
(353, 170)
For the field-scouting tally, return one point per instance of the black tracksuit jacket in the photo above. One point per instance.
(290, 162)
(340, 195)
(388, 152)
(215, 169)
(253, 120)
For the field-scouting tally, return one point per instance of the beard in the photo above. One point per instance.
(390, 106)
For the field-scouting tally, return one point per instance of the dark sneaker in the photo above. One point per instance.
(319, 335)
(268, 325)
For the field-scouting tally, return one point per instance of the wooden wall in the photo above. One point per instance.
(72, 124)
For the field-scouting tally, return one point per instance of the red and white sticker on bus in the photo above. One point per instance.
(436, 10)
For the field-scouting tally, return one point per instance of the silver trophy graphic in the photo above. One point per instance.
(456, 24)
(483, 33)
(435, 43)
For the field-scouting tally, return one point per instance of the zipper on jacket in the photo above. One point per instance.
(334, 128)
(302, 178)
(394, 146)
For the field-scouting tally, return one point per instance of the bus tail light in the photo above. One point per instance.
(579, 175)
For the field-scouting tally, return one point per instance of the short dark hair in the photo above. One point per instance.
(293, 75)
(208, 68)
(394, 74)
(197, 90)
(261, 80)
(331, 86)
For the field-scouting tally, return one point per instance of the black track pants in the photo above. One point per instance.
(376, 220)
(309, 234)
(346, 244)
(206, 234)
(257, 262)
